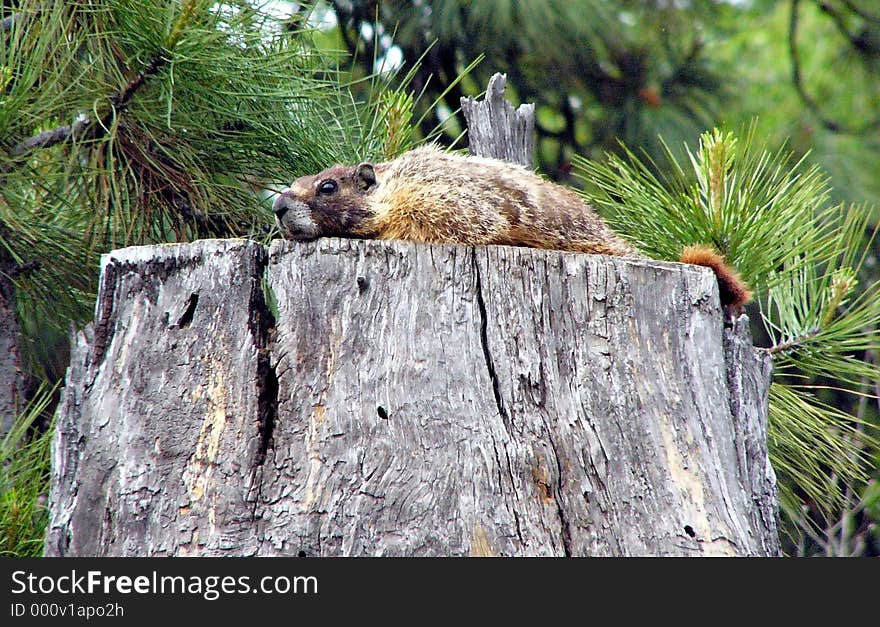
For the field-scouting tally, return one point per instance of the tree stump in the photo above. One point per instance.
(11, 379)
(409, 399)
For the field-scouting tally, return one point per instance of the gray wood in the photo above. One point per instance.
(159, 430)
(496, 129)
(11, 391)
(411, 400)
(748, 374)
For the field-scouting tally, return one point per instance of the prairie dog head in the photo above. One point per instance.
(334, 202)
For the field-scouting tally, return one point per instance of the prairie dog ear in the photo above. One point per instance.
(366, 176)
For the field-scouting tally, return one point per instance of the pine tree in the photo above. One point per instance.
(598, 71)
(132, 121)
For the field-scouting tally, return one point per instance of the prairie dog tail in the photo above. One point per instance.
(732, 289)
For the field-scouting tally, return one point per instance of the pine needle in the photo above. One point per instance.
(24, 480)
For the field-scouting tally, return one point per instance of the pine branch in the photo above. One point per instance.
(793, 344)
(85, 128)
(838, 18)
(120, 101)
(797, 79)
(51, 137)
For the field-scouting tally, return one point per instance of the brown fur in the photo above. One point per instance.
(731, 288)
(427, 195)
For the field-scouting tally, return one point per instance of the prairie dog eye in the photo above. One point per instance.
(327, 187)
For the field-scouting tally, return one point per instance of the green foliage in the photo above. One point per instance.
(389, 123)
(747, 202)
(24, 481)
(129, 122)
(817, 320)
(771, 218)
(386, 126)
(813, 446)
(599, 71)
(837, 71)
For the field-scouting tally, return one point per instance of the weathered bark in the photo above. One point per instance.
(415, 400)
(11, 380)
(158, 432)
(748, 377)
(496, 129)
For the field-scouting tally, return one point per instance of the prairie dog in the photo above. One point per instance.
(427, 195)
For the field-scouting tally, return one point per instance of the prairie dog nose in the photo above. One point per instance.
(282, 203)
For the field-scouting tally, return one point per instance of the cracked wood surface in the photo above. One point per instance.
(157, 434)
(411, 399)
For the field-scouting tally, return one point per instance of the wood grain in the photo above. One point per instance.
(410, 399)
